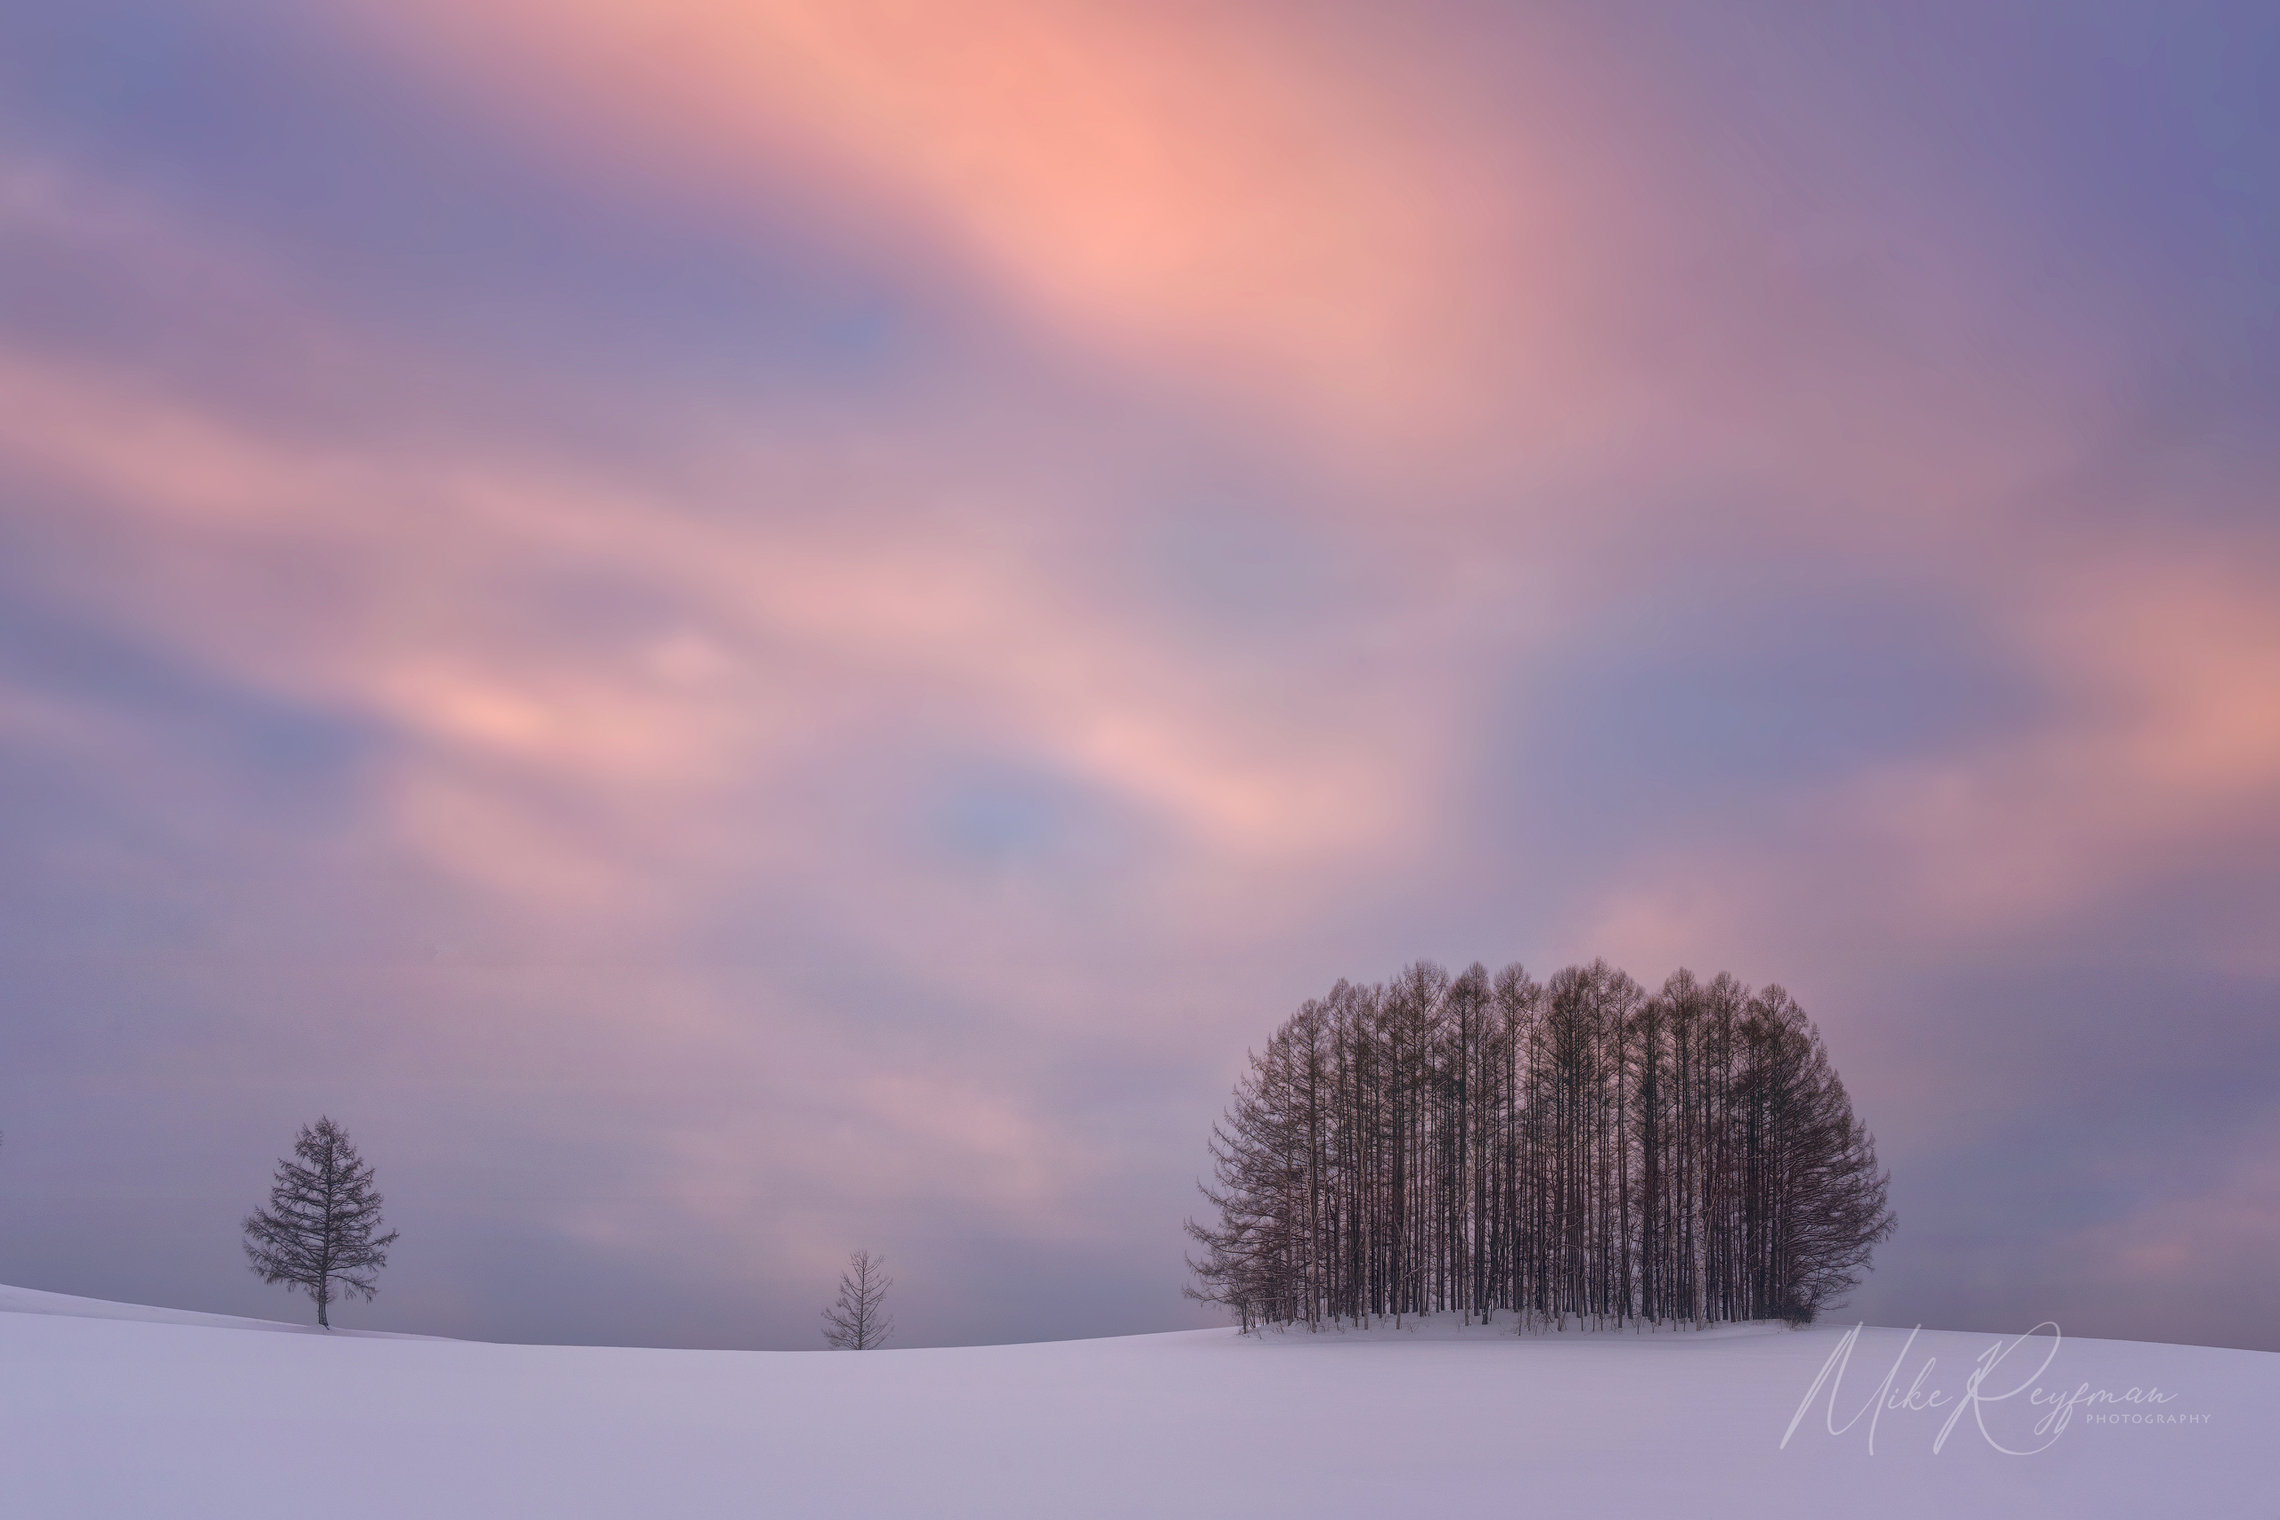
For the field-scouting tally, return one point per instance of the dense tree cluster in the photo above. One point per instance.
(1576, 1151)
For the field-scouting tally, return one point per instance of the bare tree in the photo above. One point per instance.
(858, 1321)
(1575, 1151)
(317, 1233)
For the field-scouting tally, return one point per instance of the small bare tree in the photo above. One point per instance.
(858, 1322)
(317, 1233)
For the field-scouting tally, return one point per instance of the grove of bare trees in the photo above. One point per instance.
(1571, 1152)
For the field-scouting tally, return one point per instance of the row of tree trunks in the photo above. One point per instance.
(1570, 1152)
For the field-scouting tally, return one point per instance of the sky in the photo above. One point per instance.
(737, 630)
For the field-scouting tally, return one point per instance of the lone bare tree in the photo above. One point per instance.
(857, 1322)
(317, 1233)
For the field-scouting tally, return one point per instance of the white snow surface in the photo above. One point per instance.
(70, 1305)
(116, 1410)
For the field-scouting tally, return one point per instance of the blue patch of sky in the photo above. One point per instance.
(1001, 819)
(998, 817)
(1006, 820)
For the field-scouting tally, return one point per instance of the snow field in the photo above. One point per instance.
(112, 1411)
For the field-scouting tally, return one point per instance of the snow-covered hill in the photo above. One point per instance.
(115, 1411)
